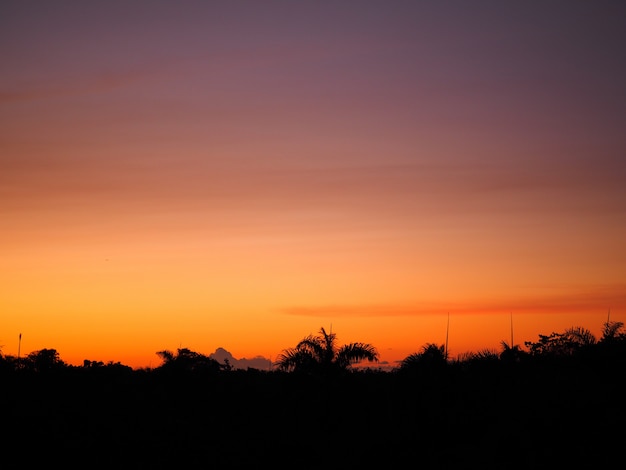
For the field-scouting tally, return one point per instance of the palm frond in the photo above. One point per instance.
(356, 352)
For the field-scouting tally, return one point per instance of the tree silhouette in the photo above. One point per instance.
(482, 356)
(321, 353)
(430, 356)
(44, 360)
(613, 340)
(612, 330)
(511, 353)
(572, 341)
(186, 360)
(579, 336)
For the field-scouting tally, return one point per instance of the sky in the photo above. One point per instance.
(235, 175)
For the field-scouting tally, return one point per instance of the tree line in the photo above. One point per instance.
(322, 354)
(556, 402)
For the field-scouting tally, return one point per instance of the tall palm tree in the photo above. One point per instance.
(321, 353)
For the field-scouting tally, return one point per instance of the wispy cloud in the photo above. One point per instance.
(594, 298)
(80, 84)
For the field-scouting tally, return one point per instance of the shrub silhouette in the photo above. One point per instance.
(432, 356)
(185, 360)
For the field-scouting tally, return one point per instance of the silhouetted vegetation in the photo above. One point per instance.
(185, 360)
(556, 403)
(321, 354)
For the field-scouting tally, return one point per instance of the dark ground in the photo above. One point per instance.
(568, 415)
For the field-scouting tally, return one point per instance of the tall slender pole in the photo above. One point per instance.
(447, 332)
(19, 346)
(511, 329)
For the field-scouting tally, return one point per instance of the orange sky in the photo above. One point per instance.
(238, 175)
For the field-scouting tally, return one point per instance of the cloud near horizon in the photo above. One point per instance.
(258, 362)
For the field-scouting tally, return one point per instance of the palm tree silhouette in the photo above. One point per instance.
(612, 330)
(321, 353)
(511, 353)
(431, 355)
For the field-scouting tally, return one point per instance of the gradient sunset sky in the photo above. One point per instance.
(239, 174)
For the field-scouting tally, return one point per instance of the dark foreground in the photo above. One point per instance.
(566, 415)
